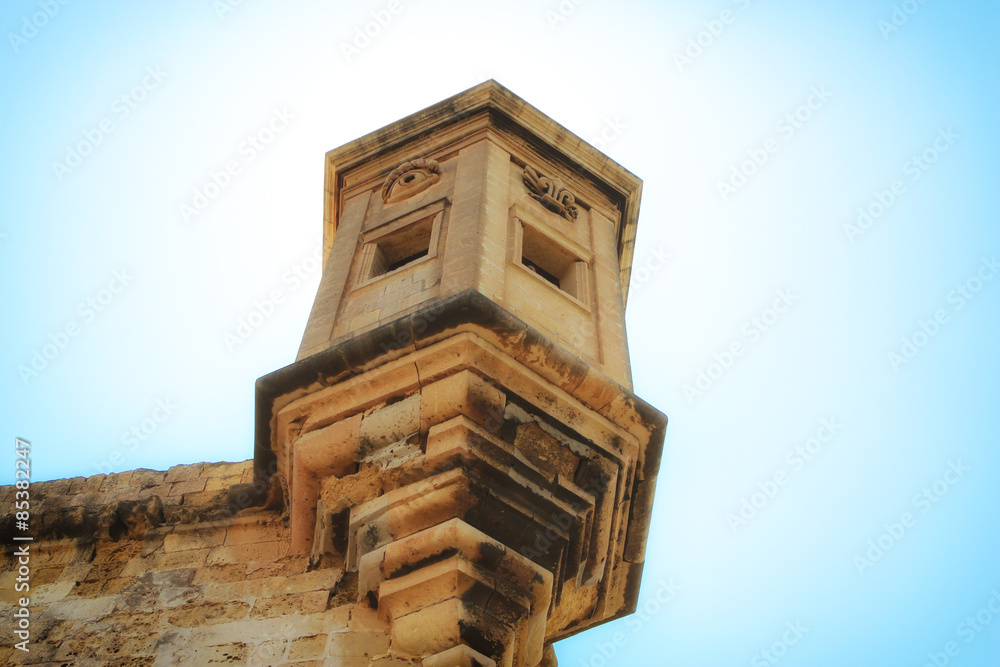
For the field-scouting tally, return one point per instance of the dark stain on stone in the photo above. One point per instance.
(477, 639)
(423, 562)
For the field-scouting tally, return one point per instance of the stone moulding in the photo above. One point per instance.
(476, 478)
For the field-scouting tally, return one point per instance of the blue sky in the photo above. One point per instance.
(820, 195)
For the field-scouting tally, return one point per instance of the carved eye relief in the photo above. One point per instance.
(550, 193)
(409, 179)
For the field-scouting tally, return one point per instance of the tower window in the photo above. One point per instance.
(535, 268)
(554, 262)
(397, 249)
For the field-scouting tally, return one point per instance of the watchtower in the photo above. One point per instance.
(459, 430)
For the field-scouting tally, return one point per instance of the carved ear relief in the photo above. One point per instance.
(410, 178)
(550, 193)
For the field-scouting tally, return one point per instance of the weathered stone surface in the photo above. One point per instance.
(307, 647)
(295, 603)
(518, 422)
(98, 601)
(207, 613)
(454, 473)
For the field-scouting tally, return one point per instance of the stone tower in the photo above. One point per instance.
(459, 431)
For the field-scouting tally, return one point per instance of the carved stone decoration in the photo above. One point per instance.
(550, 193)
(410, 178)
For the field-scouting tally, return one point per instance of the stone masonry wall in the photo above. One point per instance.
(166, 568)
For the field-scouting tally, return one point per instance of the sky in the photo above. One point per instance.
(814, 300)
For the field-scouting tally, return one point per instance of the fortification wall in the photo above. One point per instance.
(172, 568)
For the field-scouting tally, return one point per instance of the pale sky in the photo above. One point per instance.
(814, 303)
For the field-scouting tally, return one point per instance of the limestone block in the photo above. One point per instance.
(116, 585)
(183, 473)
(252, 530)
(270, 652)
(463, 393)
(458, 656)
(222, 483)
(335, 662)
(130, 622)
(350, 396)
(83, 609)
(224, 470)
(75, 572)
(515, 580)
(445, 625)
(181, 538)
(365, 320)
(86, 498)
(546, 452)
(596, 390)
(46, 575)
(358, 644)
(405, 511)
(91, 646)
(283, 567)
(117, 482)
(294, 603)
(220, 574)
(187, 486)
(76, 484)
(255, 630)
(46, 593)
(222, 654)
(389, 424)
(89, 485)
(215, 498)
(308, 647)
(8, 596)
(176, 596)
(196, 614)
(190, 558)
(61, 552)
(242, 553)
